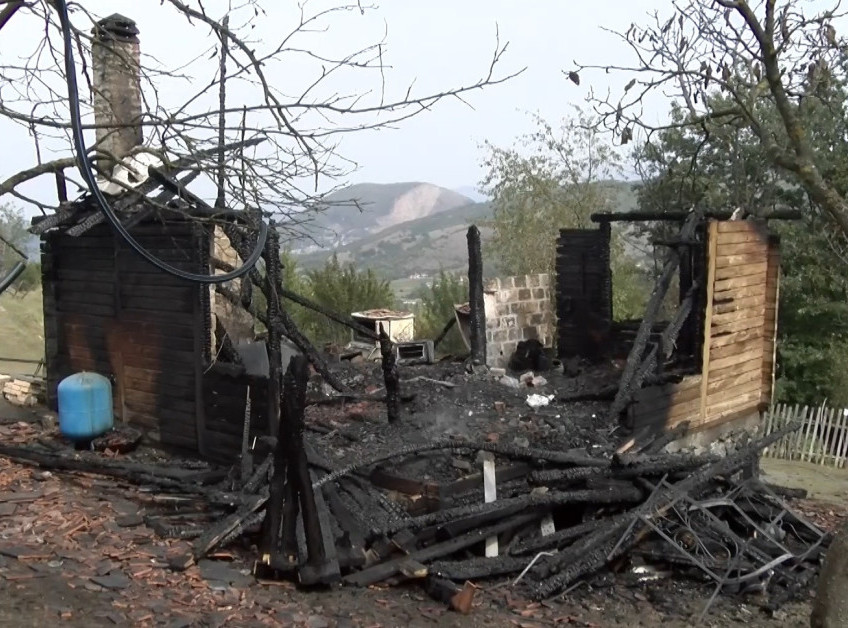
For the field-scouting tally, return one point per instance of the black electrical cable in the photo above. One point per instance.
(9, 279)
(85, 167)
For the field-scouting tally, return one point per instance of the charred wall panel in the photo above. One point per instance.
(224, 398)
(738, 330)
(107, 309)
(584, 292)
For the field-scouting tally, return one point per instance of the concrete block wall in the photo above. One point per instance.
(21, 392)
(517, 308)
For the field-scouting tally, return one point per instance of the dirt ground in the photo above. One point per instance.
(824, 484)
(74, 549)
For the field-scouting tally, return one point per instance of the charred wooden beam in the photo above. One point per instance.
(390, 375)
(615, 495)
(317, 567)
(668, 436)
(337, 317)
(271, 292)
(444, 332)
(272, 280)
(680, 216)
(148, 209)
(388, 569)
(476, 304)
(634, 365)
(598, 548)
(347, 321)
(478, 567)
(176, 479)
(138, 194)
(212, 538)
(560, 538)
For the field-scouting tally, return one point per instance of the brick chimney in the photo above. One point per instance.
(115, 61)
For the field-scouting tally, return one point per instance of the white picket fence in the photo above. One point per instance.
(822, 437)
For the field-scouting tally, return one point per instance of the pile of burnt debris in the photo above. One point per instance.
(475, 508)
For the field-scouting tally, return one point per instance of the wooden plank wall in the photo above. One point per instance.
(732, 369)
(663, 407)
(108, 310)
(583, 291)
(739, 335)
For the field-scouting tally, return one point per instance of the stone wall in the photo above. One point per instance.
(236, 321)
(517, 308)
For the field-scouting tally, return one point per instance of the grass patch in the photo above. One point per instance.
(21, 330)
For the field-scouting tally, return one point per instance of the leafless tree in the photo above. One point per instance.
(296, 134)
(754, 65)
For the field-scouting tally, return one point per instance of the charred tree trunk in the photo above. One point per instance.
(390, 376)
(476, 303)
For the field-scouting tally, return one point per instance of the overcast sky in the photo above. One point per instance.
(436, 43)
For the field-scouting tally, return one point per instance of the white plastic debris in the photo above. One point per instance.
(511, 382)
(130, 173)
(538, 401)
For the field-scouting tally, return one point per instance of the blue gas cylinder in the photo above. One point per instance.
(85, 406)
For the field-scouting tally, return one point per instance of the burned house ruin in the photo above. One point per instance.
(386, 477)
(108, 310)
(713, 362)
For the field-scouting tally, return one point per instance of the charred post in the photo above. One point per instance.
(475, 297)
(390, 375)
(275, 328)
(316, 568)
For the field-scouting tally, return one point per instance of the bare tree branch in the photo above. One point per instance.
(727, 65)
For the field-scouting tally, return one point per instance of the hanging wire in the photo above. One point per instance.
(87, 171)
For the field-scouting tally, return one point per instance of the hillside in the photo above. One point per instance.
(426, 245)
(21, 330)
(363, 209)
(415, 247)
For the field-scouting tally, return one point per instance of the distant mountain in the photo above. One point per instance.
(416, 247)
(363, 209)
(424, 245)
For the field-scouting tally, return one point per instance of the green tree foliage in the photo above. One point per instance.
(759, 67)
(813, 316)
(437, 308)
(295, 279)
(723, 166)
(556, 178)
(630, 285)
(345, 289)
(13, 229)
